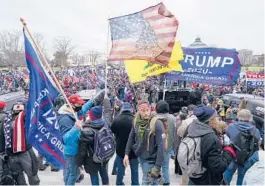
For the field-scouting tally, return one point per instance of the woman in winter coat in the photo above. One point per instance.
(86, 143)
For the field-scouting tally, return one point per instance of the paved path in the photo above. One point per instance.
(56, 178)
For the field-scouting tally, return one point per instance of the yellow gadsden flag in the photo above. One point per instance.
(139, 70)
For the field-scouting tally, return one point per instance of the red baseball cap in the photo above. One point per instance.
(2, 104)
(75, 98)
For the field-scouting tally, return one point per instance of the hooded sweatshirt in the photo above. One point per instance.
(156, 144)
(213, 159)
(235, 128)
(162, 109)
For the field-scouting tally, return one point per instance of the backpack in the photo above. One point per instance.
(189, 157)
(152, 129)
(245, 145)
(104, 145)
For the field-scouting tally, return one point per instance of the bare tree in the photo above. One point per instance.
(245, 57)
(11, 47)
(63, 49)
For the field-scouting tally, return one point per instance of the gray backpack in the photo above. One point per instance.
(189, 157)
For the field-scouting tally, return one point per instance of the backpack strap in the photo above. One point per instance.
(152, 130)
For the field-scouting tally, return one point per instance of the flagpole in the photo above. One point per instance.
(48, 66)
(106, 64)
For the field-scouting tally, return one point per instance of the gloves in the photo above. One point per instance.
(99, 97)
(155, 172)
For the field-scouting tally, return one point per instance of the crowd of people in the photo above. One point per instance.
(208, 142)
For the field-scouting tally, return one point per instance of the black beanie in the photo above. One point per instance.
(162, 107)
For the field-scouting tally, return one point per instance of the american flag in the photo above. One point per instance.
(146, 35)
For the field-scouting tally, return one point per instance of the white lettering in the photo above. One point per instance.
(47, 135)
(189, 58)
(213, 62)
(227, 61)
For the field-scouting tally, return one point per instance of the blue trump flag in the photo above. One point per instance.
(41, 121)
(214, 66)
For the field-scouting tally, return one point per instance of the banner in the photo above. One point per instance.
(213, 66)
(42, 128)
(255, 79)
(139, 70)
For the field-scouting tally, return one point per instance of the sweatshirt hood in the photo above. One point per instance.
(198, 129)
(243, 126)
(66, 110)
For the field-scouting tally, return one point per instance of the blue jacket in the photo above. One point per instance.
(70, 134)
(234, 128)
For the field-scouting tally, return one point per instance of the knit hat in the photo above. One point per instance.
(126, 107)
(162, 107)
(95, 113)
(204, 113)
(244, 115)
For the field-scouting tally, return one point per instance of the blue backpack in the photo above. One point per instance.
(104, 145)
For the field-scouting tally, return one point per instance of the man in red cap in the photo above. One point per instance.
(71, 129)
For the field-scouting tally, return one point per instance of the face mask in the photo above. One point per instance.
(77, 109)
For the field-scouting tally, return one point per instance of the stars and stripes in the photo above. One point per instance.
(147, 35)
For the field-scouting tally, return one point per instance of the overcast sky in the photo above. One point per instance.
(224, 23)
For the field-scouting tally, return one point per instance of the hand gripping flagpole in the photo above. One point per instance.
(48, 66)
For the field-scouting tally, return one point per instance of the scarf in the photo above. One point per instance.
(19, 137)
(7, 130)
(141, 127)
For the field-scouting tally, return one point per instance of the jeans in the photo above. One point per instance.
(165, 167)
(121, 171)
(228, 174)
(115, 166)
(70, 171)
(146, 167)
(103, 174)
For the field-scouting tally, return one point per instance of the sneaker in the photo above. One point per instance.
(42, 167)
(80, 178)
(55, 170)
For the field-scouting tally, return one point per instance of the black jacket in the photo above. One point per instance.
(86, 148)
(213, 158)
(121, 127)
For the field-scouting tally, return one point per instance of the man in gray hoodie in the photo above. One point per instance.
(162, 109)
(148, 146)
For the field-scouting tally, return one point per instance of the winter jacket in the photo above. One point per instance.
(213, 159)
(156, 144)
(86, 142)
(235, 128)
(70, 133)
(121, 128)
(86, 147)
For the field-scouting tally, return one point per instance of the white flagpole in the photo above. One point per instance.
(48, 66)
(106, 65)
(164, 90)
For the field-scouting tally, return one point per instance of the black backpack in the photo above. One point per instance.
(245, 145)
